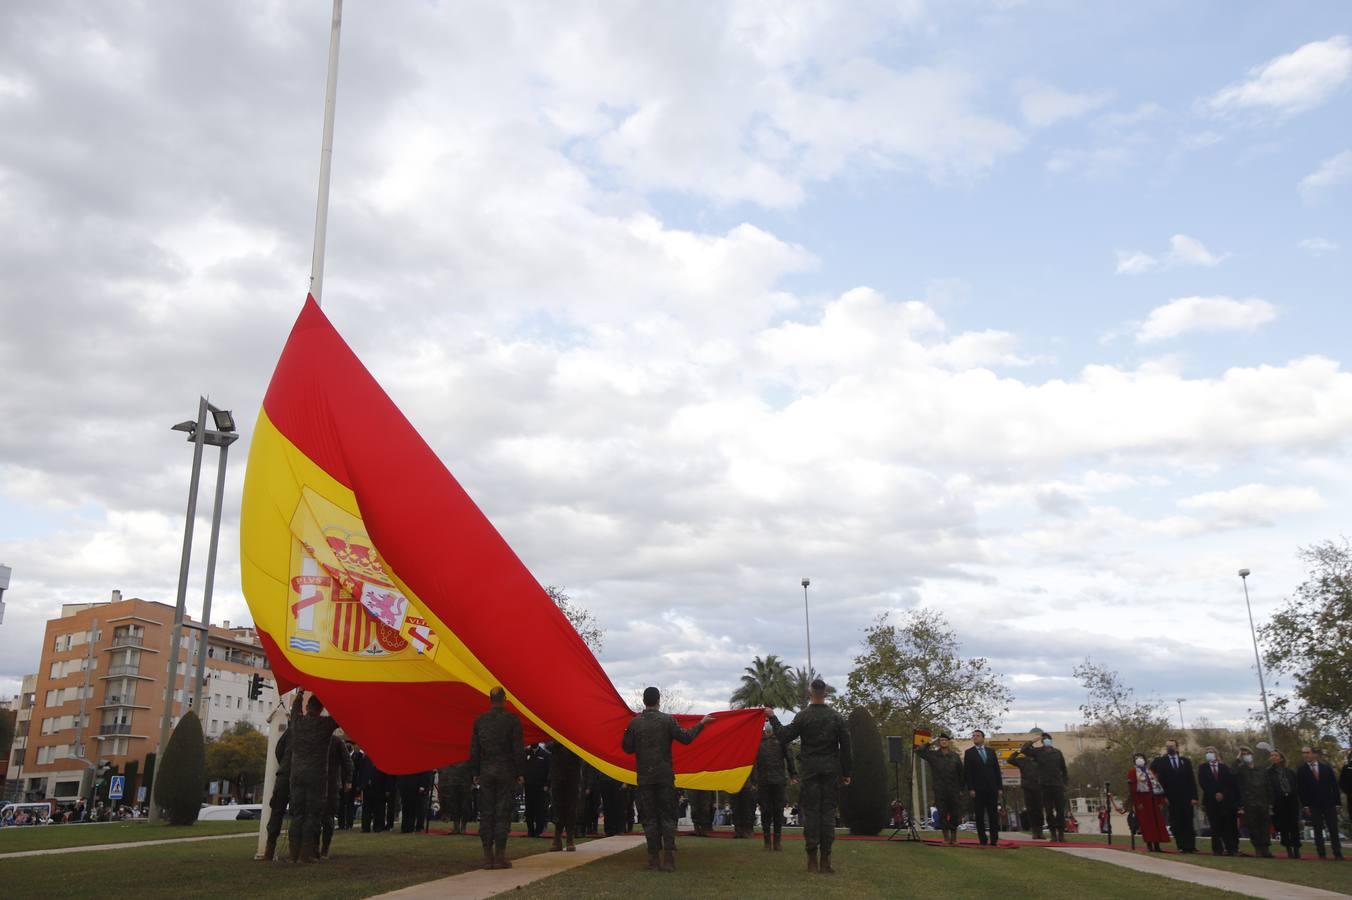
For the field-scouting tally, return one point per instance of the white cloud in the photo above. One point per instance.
(1183, 251)
(1254, 504)
(1335, 170)
(1042, 104)
(1204, 314)
(1317, 246)
(1293, 83)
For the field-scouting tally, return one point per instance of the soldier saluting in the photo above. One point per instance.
(498, 760)
(949, 782)
(1031, 784)
(824, 762)
(649, 738)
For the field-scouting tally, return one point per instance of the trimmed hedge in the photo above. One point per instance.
(183, 772)
(867, 810)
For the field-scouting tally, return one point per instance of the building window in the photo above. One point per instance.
(239, 703)
(214, 725)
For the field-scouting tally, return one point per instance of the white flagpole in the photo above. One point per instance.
(325, 159)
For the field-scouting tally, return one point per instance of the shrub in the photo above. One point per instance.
(866, 806)
(182, 775)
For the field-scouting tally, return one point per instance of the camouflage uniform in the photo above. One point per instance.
(497, 757)
(340, 774)
(281, 793)
(309, 775)
(453, 788)
(824, 759)
(1052, 780)
(649, 738)
(701, 811)
(744, 808)
(565, 780)
(771, 784)
(949, 783)
(1255, 794)
(1031, 786)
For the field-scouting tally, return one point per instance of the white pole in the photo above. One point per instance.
(325, 159)
(276, 719)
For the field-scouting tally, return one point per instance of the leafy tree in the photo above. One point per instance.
(867, 810)
(913, 675)
(1128, 725)
(1310, 640)
(674, 701)
(768, 682)
(582, 620)
(801, 681)
(182, 777)
(240, 756)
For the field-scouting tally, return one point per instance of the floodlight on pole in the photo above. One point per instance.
(1257, 660)
(807, 623)
(1181, 701)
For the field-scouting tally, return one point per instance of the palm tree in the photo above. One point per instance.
(800, 680)
(768, 683)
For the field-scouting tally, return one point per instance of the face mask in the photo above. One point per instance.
(1173, 751)
(1140, 762)
(1248, 758)
(1046, 742)
(1211, 757)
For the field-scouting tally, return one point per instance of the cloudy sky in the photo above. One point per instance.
(1033, 313)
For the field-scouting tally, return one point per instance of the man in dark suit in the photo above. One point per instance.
(1318, 787)
(1220, 799)
(537, 790)
(1345, 782)
(981, 770)
(1180, 789)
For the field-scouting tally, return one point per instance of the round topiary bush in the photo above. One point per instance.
(182, 772)
(866, 807)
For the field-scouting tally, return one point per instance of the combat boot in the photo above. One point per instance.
(778, 845)
(653, 863)
(490, 861)
(557, 844)
(812, 861)
(270, 851)
(826, 863)
(501, 856)
(569, 845)
(668, 860)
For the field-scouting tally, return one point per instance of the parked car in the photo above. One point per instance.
(226, 813)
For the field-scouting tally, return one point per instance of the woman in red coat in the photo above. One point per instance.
(1147, 801)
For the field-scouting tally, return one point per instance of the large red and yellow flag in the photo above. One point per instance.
(376, 582)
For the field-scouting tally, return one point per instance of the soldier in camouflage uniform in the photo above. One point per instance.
(498, 759)
(701, 811)
(339, 780)
(281, 794)
(744, 808)
(1052, 780)
(565, 779)
(1255, 795)
(771, 784)
(825, 761)
(649, 738)
(310, 732)
(1030, 783)
(453, 788)
(950, 782)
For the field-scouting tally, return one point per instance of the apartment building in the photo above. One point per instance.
(99, 692)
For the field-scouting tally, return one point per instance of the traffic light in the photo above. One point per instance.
(101, 772)
(255, 687)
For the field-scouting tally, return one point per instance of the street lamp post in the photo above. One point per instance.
(199, 435)
(1181, 726)
(1257, 660)
(807, 623)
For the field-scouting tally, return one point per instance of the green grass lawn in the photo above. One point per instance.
(48, 837)
(361, 865)
(706, 867)
(1309, 870)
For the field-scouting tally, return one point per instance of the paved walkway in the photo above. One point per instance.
(126, 845)
(1248, 885)
(490, 882)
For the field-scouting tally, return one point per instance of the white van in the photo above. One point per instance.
(41, 813)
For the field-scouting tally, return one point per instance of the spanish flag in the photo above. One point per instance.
(376, 582)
